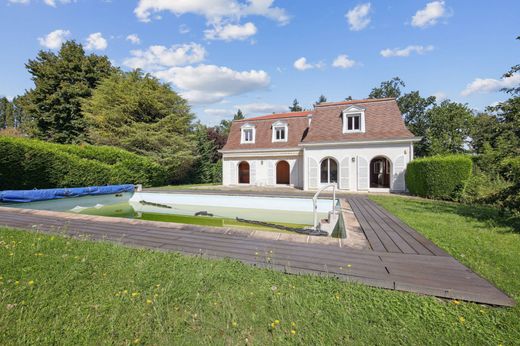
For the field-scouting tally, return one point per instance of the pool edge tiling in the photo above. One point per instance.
(437, 275)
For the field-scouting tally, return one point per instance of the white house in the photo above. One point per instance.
(361, 145)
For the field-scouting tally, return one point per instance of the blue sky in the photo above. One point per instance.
(260, 54)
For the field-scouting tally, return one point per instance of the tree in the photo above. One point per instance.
(449, 128)
(348, 98)
(321, 99)
(390, 88)
(137, 112)
(414, 110)
(61, 82)
(295, 106)
(6, 113)
(238, 115)
(207, 167)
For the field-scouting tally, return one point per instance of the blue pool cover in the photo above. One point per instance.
(23, 196)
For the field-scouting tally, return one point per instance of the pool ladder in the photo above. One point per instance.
(328, 225)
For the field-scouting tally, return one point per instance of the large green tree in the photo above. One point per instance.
(6, 113)
(413, 107)
(137, 112)
(61, 82)
(449, 128)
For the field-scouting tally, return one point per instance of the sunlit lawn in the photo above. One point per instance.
(56, 290)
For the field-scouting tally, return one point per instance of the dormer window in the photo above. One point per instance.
(280, 131)
(247, 134)
(353, 119)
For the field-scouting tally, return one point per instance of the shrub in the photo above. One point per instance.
(441, 177)
(28, 164)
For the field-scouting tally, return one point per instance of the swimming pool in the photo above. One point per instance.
(204, 209)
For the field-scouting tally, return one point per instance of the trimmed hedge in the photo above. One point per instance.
(441, 177)
(29, 164)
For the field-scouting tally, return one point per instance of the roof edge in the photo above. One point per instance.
(353, 102)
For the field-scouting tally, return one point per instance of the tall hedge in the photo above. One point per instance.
(29, 164)
(441, 177)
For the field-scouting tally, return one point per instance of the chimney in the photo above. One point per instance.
(309, 118)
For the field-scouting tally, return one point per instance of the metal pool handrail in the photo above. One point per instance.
(315, 202)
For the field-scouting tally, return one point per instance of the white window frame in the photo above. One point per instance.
(243, 133)
(280, 125)
(350, 112)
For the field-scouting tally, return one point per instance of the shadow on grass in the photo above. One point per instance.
(492, 217)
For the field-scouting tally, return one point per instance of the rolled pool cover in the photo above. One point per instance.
(24, 196)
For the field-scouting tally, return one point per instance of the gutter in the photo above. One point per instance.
(382, 141)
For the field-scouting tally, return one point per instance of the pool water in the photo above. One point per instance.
(208, 210)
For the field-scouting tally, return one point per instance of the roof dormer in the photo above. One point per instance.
(280, 131)
(247, 133)
(353, 119)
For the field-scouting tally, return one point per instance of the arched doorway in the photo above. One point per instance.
(243, 173)
(283, 173)
(328, 171)
(380, 172)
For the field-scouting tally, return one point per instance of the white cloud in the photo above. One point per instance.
(342, 61)
(302, 64)
(160, 57)
(218, 112)
(52, 3)
(403, 52)
(214, 10)
(358, 17)
(261, 108)
(205, 84)
(440, 96)
(133, 38)
(96, 41)
(429, 15)
(55, 39)
(230, 32)
(488, 85)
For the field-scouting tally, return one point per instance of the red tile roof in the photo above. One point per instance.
(383, 120)
(279, 116)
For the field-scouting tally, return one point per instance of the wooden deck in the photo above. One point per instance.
(401, 258)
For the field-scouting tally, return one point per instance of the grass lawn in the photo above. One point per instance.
(59, 290)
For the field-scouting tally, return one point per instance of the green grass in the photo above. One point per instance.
(58, 290)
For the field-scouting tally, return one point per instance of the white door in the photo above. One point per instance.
(363, 176)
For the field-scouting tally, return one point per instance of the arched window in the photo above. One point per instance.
(329, 171)
(380, 172)
(243, 173)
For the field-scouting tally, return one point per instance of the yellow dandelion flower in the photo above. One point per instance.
(158, 285)
(482, 311)
(293, 332)
(462, 319)
(125, 291)
(234, 324)
(135, 294)
(17, 282)
(31, 282)
(136, 341)
(148, 301)
(277, 321)
(273, 325)
(11, 254)
(456, 302)
(293, 324)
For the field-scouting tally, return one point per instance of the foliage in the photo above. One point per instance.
(208, 166)
(390, 88)
(62, 81)
(28, 164)
(100, 293)
(321, 99)
(295, 107)
(449, 128)
(443, 177)
(6, 113)
(136, 112)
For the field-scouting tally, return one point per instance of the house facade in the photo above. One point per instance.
(359, 145)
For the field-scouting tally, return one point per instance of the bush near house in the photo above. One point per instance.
(441, 177)
(29, 164)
